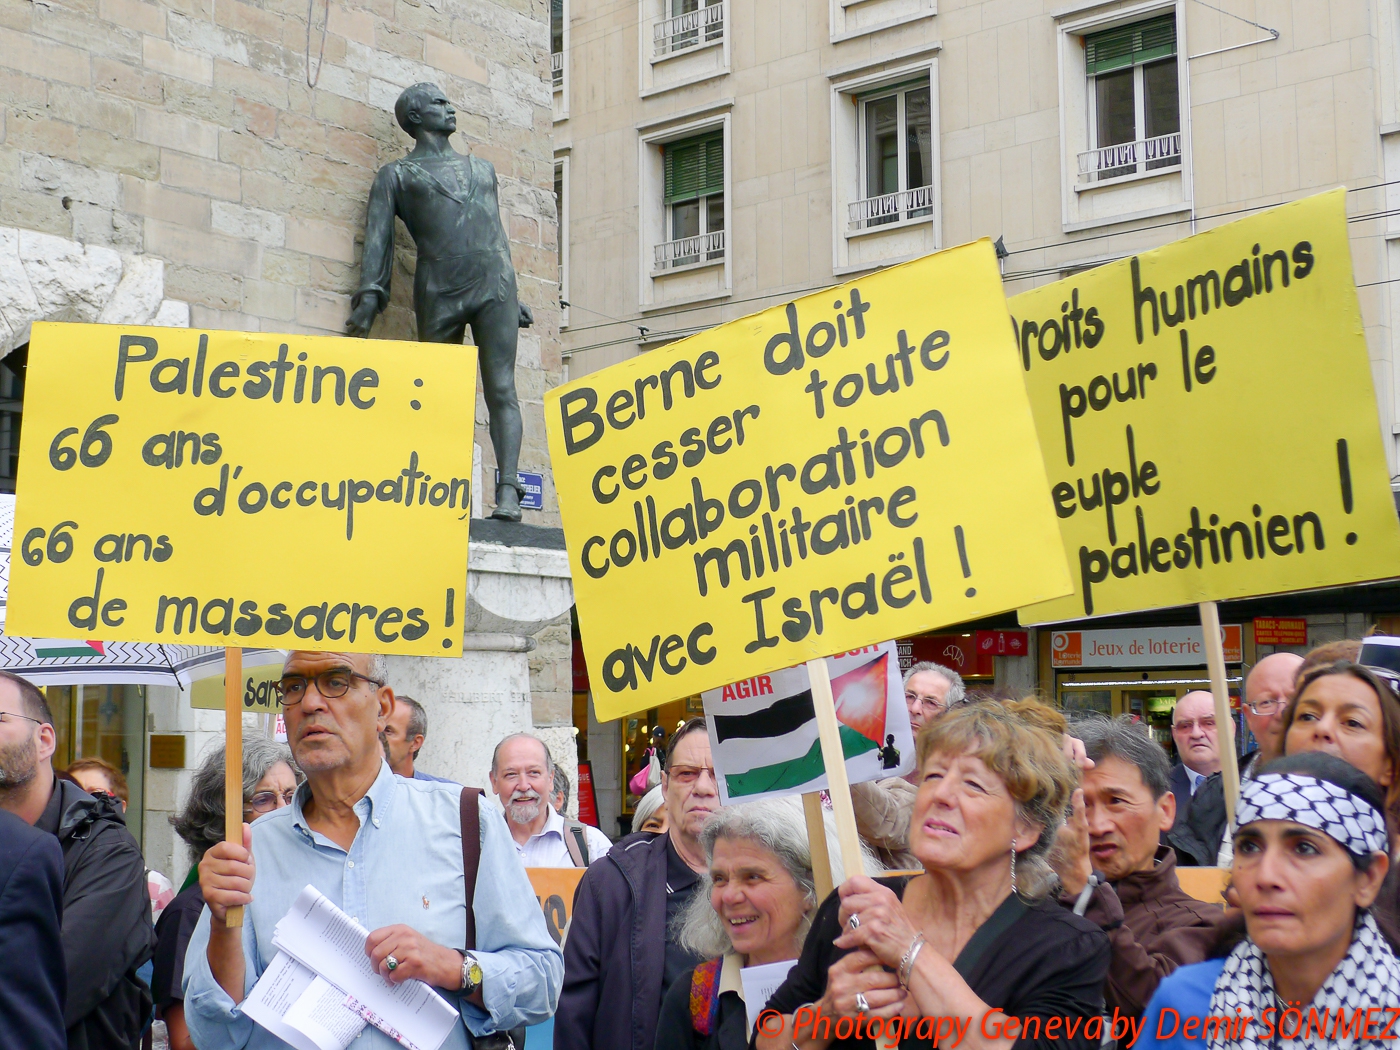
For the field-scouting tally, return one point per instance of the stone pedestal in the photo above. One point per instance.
(517, 584)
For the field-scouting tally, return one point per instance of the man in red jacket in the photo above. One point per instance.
(1114, 872)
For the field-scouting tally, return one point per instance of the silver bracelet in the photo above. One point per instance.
(906, 964)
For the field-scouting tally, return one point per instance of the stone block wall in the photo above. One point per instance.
(186, 130)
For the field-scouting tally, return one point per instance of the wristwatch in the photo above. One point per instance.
(472, 975)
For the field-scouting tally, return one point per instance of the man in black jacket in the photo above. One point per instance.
(31, 901)
(621, 954)
(106, 932)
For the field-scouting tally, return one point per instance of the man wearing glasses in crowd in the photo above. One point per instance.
(386, 850)
(621, 954)
(883, 806)
(1267, 691)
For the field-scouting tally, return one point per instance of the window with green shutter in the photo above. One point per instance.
(694, 167)
(1131, 45)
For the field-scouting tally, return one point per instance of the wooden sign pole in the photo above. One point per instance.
(233, 757)
(816, 842)
(834, 758)
(1225, 723)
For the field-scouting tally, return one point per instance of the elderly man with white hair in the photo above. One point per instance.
(883, 806)
(386, 850)
(522, 776)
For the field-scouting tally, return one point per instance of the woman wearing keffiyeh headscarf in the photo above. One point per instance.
(1310, 855)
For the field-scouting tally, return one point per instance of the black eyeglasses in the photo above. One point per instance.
(10, 716)
(266, 801)
(331, 684)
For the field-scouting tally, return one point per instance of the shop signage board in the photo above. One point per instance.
(775, 489)
(1149, 376)
(1140, 647)
(1280, 630)
(1003, 643)
(237, 489)
(763, 730)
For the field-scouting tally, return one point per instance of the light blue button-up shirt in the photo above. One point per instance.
(405, 866)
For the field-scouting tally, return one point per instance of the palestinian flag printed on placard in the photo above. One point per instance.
(763, 731)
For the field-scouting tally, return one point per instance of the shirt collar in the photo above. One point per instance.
(375, 801)
(729, 979)
(554, 823)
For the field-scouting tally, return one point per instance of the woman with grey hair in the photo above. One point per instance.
(752, 907)
(650, 814)
(270, 778)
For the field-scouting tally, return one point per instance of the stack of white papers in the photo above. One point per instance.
(321, 989)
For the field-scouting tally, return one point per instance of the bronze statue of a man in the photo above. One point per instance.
(464, 273)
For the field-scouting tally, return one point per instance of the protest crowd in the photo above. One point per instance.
(1020, 886)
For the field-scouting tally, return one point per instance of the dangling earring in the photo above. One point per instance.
(1013, 865)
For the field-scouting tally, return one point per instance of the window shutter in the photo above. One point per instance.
(1130, 45)
(694, 168)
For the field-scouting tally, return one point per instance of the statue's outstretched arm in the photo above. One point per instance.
(377, 266)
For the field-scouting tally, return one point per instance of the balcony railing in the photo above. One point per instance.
(891, 207)
(556, 69)
(704, 25)
(707, 247)
(1129, 158)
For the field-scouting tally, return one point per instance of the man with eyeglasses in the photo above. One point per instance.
(386, 850)
(106, 928)
(622, 952)
(1268, 689)
(883, 807)
(1195, 779)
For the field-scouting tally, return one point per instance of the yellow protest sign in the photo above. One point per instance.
(208, 693)
(238, 489)
(856, 465)
(1208, 418)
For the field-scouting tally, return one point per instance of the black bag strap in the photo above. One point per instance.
(578, 848)
(471, 854)
(986, 935)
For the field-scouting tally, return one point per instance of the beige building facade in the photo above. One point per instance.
(851, 134)
(206, 163)
(715, 157)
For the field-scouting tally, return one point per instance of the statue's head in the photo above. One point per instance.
(424, 107)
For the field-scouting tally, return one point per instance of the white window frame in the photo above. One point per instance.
(653, 226)
(847, 19)
(1076, 131)
(561, 236)
(560, 91)
(850, 87)
(706, 59)
(711, 27)
(862, 101)
(1139, 124)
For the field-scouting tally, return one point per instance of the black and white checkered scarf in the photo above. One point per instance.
(1368, 976)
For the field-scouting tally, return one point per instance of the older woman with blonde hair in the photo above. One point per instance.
(975, 951)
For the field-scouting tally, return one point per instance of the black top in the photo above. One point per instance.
(173, 932)
(106, 931)
(1046, 962)
(681, 880)
(675, 1030)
